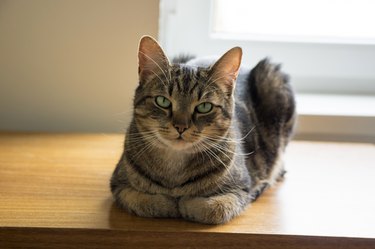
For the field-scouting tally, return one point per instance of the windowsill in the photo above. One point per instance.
(336, 105)
(336, 117)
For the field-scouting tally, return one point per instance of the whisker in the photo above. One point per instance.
(215, 156)
(158, 77)
(134, 134)
(149, 145)
(209, 82)
(156, 65)
(221, 139)
(223, 149)
(247, 134)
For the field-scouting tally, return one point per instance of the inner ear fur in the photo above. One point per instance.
(151, 59)
(225, 71)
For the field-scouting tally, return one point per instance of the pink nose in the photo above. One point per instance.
(180, 128)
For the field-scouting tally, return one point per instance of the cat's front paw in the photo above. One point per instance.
(148, 205)
(211, 210)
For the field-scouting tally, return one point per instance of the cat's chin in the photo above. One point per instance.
(178, 145)
(181, 145)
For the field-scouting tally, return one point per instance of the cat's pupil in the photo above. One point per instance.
(204, 107)
(162, 102)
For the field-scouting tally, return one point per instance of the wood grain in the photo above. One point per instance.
(54, 191)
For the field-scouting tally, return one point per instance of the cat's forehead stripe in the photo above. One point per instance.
(193, 87)
(185, 80)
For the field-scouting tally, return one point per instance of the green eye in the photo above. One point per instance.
(205, 107)
(162, 101)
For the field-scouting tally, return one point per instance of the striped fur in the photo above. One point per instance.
(224, 159)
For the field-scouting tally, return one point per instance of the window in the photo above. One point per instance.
(349, 21)
(330, 64)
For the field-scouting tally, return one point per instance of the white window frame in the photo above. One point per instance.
(343, 70)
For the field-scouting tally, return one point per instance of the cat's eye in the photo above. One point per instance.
(163, 102)
(205, 107)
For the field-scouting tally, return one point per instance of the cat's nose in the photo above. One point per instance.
(181, 128)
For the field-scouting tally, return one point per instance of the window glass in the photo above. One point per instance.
(346, 21)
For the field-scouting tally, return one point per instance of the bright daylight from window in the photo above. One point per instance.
(347, 21)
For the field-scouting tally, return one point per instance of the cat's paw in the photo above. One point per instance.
(210, 210)
(258, 190)
(148, 205)
(281, 175)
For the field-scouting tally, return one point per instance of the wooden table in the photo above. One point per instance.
(54, 192)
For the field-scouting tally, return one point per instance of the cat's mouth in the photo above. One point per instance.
(180, 140)
(180, 143)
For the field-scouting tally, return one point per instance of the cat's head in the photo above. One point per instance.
(184, 107)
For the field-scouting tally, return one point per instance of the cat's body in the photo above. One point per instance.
(197, 147)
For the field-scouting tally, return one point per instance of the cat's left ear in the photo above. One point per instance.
(225, 71)
(151, 59)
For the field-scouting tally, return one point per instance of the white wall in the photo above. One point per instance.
(70, 65)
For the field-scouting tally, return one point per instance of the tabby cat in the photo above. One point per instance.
(206, 137)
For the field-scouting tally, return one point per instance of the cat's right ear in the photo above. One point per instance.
(152, 60)
(225, 70)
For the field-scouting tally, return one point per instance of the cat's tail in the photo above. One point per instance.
(273, 99)
(273, 114)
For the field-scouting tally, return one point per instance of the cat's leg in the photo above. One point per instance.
(137, 202)
(275, 174)
(146, 205)
(216, 209)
